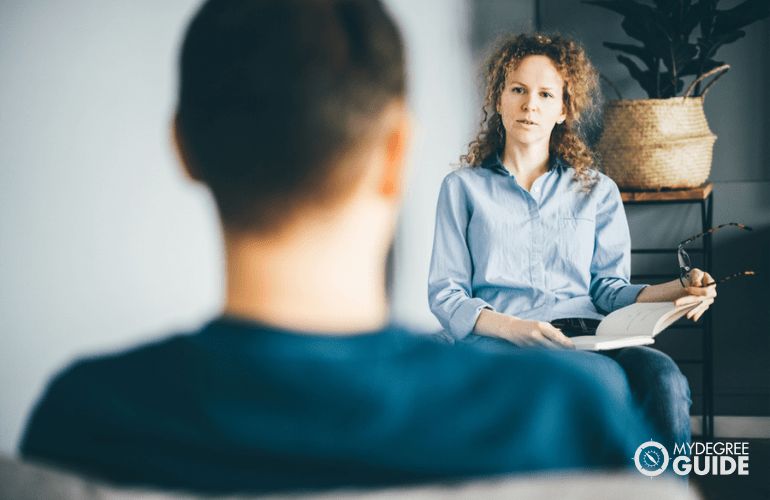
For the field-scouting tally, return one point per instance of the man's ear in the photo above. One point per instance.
(395, 153)
(182, 151)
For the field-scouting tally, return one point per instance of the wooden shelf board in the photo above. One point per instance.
(699, 193)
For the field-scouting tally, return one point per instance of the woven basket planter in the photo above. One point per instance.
(653, 144)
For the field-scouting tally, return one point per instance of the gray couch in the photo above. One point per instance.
(28, 481)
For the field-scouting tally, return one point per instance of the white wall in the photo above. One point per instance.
(442, 97)
(103, 243)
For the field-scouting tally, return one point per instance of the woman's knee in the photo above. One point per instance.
(655, 369)
(673, 381)
(602, 369)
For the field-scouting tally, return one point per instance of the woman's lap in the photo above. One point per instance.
(651, 376)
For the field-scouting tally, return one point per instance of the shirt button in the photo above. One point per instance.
(537, 189)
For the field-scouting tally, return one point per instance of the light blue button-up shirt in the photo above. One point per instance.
(553, 252)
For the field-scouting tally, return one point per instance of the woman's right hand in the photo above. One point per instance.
(521, 332)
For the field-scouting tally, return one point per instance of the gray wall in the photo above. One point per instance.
(103, 242)
(737, 108)
(440, 93)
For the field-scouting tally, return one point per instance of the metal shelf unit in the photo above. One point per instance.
(703, 196)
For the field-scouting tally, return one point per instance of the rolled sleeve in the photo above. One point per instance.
(611, 264)
(451, 268)
(464, 318)
(627, 295)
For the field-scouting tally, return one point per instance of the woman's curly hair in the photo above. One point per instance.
(581, 88)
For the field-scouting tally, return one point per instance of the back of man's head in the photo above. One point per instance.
(274, 92)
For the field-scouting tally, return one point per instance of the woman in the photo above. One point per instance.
(528, 232)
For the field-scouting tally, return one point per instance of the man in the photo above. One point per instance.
(293, 114)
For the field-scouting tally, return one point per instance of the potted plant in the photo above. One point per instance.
(664, 141)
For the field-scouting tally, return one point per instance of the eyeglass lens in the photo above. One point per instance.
(684, 258)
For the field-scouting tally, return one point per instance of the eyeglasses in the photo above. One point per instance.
(684, 259)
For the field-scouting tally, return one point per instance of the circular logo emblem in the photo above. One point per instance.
(651, 458)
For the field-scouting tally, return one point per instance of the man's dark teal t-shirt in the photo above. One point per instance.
(243, 407)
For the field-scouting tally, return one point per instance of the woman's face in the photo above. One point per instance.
(531, 102)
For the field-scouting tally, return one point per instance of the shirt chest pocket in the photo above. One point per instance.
(499, 244)
(576, 239)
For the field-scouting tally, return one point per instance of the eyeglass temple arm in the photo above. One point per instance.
(688, 240)
(715, 283)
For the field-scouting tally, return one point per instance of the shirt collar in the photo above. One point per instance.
(493, 163)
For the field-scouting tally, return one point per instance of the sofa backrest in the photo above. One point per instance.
(30, 481)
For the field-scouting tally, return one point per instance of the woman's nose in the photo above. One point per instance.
(529, 105)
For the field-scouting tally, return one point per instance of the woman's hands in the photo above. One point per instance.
(527, 333)
(695, 293)
(521, 332)
(692, 293)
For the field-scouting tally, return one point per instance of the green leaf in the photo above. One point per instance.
(708, 47)
(664, 30)
(727, 21)
(646, 79)
(690, 20)
(681, 53)
(706, 10)
(670, 85)
(675, 12)
(668, 90)
(654, 36)
(635, 50)
(674, 51)
(698, 67)
(708, 65)
(627, 8)
(651, 33)
(703, 68)
(669, 7)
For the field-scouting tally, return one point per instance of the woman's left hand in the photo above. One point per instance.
(694, 293)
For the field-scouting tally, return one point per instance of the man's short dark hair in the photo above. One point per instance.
(273, 91)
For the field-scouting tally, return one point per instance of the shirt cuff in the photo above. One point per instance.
(627, 295)
(464, 318)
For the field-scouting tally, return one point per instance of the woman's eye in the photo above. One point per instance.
(517, 90)
(546, 94)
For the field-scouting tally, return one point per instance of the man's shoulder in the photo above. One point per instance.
(106, 380)
(492, 360)
(102, 388)
(143, 360)
(257, 386)
(241, 349)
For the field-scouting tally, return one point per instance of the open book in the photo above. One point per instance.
(636, 324)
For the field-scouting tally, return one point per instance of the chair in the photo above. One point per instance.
(31, 481)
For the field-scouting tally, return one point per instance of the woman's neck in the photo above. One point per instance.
(525, 162)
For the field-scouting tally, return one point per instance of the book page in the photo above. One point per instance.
(642, 318)
(606, 342)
